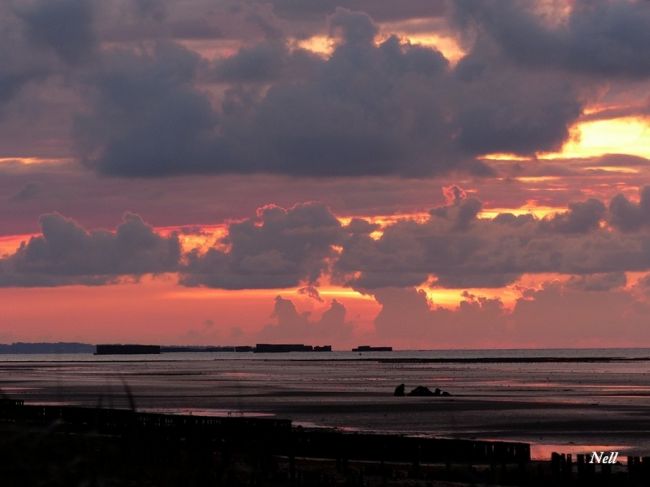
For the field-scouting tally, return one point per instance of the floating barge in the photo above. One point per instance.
(289, 347)
(368, 348)
(113, 349)
(202, 349)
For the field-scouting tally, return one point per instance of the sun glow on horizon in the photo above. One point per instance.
(34, 160)
(530, 208)
(625, 135)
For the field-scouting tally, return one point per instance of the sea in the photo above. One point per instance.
(564, 400)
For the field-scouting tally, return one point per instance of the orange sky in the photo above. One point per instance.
(45, 167)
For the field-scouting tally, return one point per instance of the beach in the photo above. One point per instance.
(570, 401)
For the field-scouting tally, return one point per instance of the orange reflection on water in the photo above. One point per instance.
(543, 451)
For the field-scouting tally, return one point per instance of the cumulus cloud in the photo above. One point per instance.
(363, 111)
(461, 250)
(525, 112)
(582, 217)
(629, 216)
(291, 325)
(598, 282)
(377, 105)
(295, 247)
(146, 118)
(264, 63)
(408, 315)
(20, 65)
(379, 9)
(65, 26)
(599, 37)
(65, 253)
(555, 315)
(387, 108)
(312, 292)
(279, 248)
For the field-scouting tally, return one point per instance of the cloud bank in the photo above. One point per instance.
(148, 104)
(296, 247)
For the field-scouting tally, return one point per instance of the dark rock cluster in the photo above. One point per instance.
(419, 391)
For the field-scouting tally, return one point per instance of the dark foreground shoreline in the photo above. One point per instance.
(69, 445)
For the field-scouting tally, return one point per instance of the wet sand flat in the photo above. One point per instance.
(604, 402)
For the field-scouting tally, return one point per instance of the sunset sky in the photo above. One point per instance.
(421, 173)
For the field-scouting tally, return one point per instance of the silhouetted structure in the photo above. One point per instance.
(127, 349)
(289, 347)
(368, 348)
(207, 348)
(59, 347)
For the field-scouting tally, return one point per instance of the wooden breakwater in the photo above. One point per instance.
(582, 471)
(405, 449)
(279, 435)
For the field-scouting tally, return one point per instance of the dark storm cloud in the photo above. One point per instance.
(508, 109)
(65, 26)
(278, 249)
(266, 62)
(598, 282)
(27, 192)
(19, 65)
(389, 108)
(629, 216)
(381, 10)
(375, 106)
(582, 217)
(602, 37)
(357, 28)
(146, 118)
(65, 253)
(363, 111)
(369, 109)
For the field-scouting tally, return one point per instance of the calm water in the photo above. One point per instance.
(569, 407)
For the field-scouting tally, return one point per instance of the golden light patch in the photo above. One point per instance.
(628, 135)
(614, 169)
(10, 243)
(503, 156)
(538, 179)
(387, 220)
(425, 32)
(554, 13)
(202, 237)
(448, 46)
(33, 160)
(530, 208)
(319, 44)
(212, 48)
(343, 292)
(451, 298)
